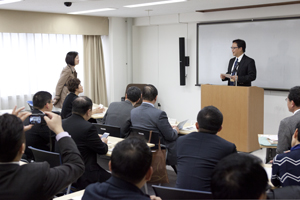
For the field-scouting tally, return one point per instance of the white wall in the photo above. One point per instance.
(155, 60)
(118, 78)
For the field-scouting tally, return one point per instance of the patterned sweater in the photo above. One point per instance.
(286, 168)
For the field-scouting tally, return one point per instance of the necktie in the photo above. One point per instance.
(234, 71)
(234, 68)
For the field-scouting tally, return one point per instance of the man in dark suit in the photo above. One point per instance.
(241, 68)
(88, 141)
(118, 113)
(288, 125)
(39, 136)
(199, 152)
(130, 165)
(149, 118)
(35, 180)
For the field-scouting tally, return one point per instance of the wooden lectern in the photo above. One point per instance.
(243, 113)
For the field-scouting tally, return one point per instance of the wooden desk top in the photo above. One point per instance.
(98, 115)
(187, 128)
(112, 141)
(73, 196)
(9, 111)
(266, 146)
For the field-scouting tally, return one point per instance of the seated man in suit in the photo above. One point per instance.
(118, 113)
(34, 180)
(285, 166)
(130, 165)
(239, 176)
(199, 152)
(40, 136)
(147, 117)
(288, 125)
(88, 141)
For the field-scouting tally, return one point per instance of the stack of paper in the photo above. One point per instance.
(273, 139)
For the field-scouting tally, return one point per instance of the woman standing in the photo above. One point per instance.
(68, 72)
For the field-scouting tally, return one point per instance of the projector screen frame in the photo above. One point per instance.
(231, 22)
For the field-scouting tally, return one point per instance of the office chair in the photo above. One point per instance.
(112, 130)
(52, 158)
(176, 193)
(139, 85)
(154, 139)
(145, 135)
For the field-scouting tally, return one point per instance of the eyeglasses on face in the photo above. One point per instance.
(233, 47)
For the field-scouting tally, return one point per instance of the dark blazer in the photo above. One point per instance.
(246, 72)
(89, 145)
(147, 117)
(197, 155)
(66, 110)
(118, 114)
(37, 180)
(114, 188)
(38, 136)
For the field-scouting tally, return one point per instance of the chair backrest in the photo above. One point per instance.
(41, 155)
(141, 86)
(176, 193)
(145, 134)
(112, 130)
(30, 104)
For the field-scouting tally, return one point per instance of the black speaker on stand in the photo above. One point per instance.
(183, 60)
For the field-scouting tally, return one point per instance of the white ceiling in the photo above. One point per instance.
(57, 6)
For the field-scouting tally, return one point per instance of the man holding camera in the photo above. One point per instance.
(39, 136)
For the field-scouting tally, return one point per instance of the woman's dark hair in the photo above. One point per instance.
(70, 57)
(73, 84)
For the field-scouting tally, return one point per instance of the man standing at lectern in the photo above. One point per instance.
(241, 68)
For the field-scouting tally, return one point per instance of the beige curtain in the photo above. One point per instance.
(94, 72)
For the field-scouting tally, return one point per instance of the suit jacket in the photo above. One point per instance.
(288, 192)
(114, 188)
(147, 117)
(89, 145)
(61, 90)
(118, 114)
(66, 110)
(197, 155)
(286, 130)
(38, 136)
(37, 180)
(246, 72)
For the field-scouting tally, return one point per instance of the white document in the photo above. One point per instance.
(172, 121)
(226, 75)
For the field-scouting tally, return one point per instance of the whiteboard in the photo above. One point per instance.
(273, 44)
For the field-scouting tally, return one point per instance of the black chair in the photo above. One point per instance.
(145, 134)
(176, 193)
(141, 86)
(112, 130)
(52, 158)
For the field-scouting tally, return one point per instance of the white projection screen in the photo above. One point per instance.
(273, 44)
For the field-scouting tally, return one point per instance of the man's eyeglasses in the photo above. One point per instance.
(233, 47)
